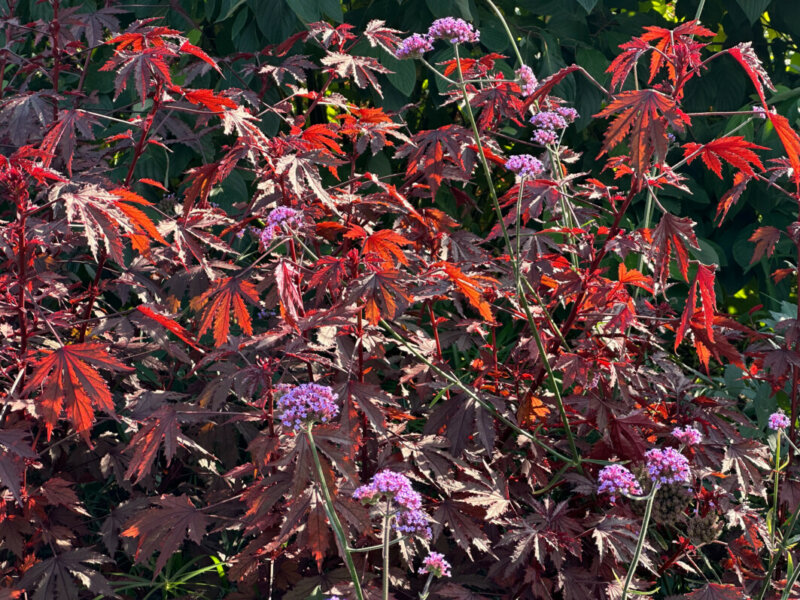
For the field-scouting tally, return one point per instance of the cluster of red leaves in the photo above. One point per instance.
(143, 340)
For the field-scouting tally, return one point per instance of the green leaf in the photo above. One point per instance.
(753, 9)
(404, 75)
(588, 5)
(307, 10)
(228, 8)
(333, 9)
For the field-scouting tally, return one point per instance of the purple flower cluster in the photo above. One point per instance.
(414, 46)
(410, 519)
(527, 80)
(435, 564)
(453, 30)
(687, 435)
(545, 136)
(616, 479)
(277, 219)
(307, 403)
(569, 113)
(667, 466)
(549, 119)
(524, 165)
(778, 420)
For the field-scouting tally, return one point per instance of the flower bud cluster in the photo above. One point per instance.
(307, 403)
(396, 488)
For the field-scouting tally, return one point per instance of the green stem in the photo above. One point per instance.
(387, 533)
(427, 588)
(338, 530)
(508, 32)
(517, 274)
(774, 524)
(640, 542)
(773, 561)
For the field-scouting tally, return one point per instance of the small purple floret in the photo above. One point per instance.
(549, 119)
(778, 420)
(412, 522)
(616, 479)
(307, 403)
(527, 80)
(453, 30)
(414, 46)
(667, 466)
(435, 564)
(687, 435)
(524, 165)
(392, 485)
(545, 137)
(277, 220)
(569, 113)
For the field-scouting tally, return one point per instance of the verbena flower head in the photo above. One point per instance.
(307, 403)
(453, 30)
(545, 136)
(527, 80)
(667, 466)
(778, 420)
(549, 119)
(412, 522)
(277, 221)
(687, 435)
(524, 165)
(414, 46)
(435, 564)
(569, 113)
(391, 485)
(616, 479)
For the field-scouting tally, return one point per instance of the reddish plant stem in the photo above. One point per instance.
(22, 282)
(55, 27)
(435, 327)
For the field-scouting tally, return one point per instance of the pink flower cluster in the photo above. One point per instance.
(396, 487)
(667, 466)
(414, 46)
(778, 420)
(435, 564)
(550, 121)
(307, 403)
(616, 479)
(527, 80)
(524, 165)
(453, 30)
(687, 435)
(277, 220)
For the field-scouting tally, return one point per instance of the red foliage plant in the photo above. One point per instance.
(150, 324)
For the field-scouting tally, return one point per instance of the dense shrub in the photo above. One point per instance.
(266, 338)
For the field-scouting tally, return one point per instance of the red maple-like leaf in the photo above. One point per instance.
(717, 591)
(704, 283)
(162, 425)
(643, 116)
(747, 57)
(226, 295)
(791, 143)
(473, 288)
(73, 384)
(169, 324)
(361, 69)
(765, 239)
(287, 277)
(214, 102)
(673, 234)
(164, 527)
(383, 292)
(384, 244)
(734, 150)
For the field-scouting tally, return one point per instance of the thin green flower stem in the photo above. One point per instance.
(648, 509)
(773, 561)
(338, 530)
(517, 275)
(790, 584)
(426, 590)
(508, 32)
(483, 403)
(776, 481)
(394, 542)
(387, 534)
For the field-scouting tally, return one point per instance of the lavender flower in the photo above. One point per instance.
(616, 479)
(524, 165)
(412, 522)
(667, 466)
(414, 46)
(277, 220)
(688, 435)
(545, 136)
(527, 79)
(455, 31)
(307, 403)
(435, 564)
(778, 420)
(549, 119)
(569, 113)
(391, 485)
